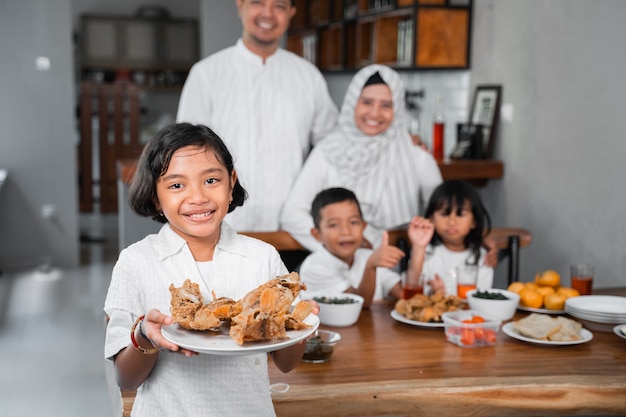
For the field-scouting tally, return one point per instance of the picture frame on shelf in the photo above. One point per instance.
(485, 111)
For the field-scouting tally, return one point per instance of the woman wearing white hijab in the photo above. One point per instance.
(371, 153)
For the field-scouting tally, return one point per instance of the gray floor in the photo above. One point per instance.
(52, 333)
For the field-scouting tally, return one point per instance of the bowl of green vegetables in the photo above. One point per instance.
(494, 301)
(339, 310)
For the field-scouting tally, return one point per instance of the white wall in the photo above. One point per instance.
(220, 27)
(38, 136)
(561, 64)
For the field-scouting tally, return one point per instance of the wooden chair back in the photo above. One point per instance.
(111, 110)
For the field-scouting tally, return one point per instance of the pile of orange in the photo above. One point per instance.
(544, 292)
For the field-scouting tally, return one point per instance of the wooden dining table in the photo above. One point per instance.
(383, 367)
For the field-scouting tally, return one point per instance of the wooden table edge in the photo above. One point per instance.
(514, 396)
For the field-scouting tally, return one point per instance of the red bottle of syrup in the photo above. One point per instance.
(438, 131)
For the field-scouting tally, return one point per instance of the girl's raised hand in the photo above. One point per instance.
(437, 285)
(152, 324)
(420, 231)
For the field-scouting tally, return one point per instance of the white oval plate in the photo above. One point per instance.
(220, 343)
(585, 336)
(399, 317)
(619, 330)
(540, 310)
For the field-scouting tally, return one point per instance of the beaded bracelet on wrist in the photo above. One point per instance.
(134, 340)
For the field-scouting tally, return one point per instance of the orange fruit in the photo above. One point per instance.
(531, 286)
(549, 278)
(531, 298)
(516, 287)
(545, 290)
(568, 292)
(554, 301)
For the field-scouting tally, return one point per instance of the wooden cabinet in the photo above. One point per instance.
(154, 52)
(404, 34)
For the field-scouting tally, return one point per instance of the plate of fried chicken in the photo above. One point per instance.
(268, 318)
(426, 310)
(220, 343)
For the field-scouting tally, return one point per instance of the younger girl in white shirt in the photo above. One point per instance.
(452, 232)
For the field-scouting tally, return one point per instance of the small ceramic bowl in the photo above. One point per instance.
(503, 309)
(320, 346)
(340, 310)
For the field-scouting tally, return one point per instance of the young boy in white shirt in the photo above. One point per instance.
(343, 265)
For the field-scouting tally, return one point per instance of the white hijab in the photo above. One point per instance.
(369, 163)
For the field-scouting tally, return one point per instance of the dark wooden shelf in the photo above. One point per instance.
(476, 171)
(404, 34)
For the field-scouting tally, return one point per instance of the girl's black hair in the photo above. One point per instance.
(155, 159)
(451, 195)
(331, 196)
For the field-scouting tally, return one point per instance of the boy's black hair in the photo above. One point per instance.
(331, 196)
(451, 195)
(155, 159)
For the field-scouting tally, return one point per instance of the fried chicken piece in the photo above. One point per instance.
(419, 301)
(224, 307)
(187, 295)
(295, 320)
(428, 314)
(189, 312)
(203, 319)
(245, 327)
(266, 310)
(402, 307)
(185, 301)
(287, 288)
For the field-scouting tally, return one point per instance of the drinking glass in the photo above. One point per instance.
(581, 276)
(408, 291)
(466, 277)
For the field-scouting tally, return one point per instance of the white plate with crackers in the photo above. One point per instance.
(399, 317)
(585, 336)
(620, 330)
(220, 342)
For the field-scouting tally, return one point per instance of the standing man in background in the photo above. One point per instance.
(269, 105)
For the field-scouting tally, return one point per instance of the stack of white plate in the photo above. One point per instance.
(597, 312)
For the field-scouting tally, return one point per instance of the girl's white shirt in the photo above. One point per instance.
(443, 262)
(202, 385)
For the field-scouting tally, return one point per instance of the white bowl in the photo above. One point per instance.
(340, 315)
(502, 309)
